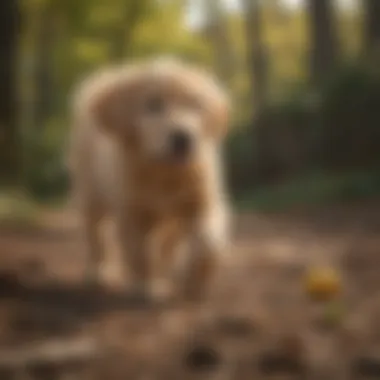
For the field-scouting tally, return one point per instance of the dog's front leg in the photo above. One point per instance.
(134, 250)
(209, 239)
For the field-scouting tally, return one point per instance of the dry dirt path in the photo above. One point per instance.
(258, 319)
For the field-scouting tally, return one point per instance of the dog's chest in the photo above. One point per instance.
(161, 192)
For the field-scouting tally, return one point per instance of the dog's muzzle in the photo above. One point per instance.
(181, 144)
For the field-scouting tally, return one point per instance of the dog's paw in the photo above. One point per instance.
(162, 291)
(155, 292)
(139, 294)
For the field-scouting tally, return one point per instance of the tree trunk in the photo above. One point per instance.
(123, 33)
(258, 70)
(9, 137)
(257, 58)
(44, 95)
(217, 32)
(323, 40)
(372, 27)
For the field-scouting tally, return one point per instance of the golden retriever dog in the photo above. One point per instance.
(145, 150)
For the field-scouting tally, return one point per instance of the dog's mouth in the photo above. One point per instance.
(175, 159)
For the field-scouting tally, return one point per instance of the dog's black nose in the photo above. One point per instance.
(180, 142)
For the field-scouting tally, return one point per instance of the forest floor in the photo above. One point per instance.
(258, 323)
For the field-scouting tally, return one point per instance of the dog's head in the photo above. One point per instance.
(166, 110)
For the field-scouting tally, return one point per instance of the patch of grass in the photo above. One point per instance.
(17, 209)
(313, 190)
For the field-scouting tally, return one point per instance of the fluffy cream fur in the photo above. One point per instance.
(121, 166)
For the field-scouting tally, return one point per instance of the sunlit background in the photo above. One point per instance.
(280, 60)
(302, 164)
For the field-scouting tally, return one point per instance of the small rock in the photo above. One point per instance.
(366, 366)
(202, 358)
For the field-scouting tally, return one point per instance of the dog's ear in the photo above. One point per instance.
(219, 111)
(112, 102)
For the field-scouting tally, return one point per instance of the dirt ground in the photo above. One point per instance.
(258, 323)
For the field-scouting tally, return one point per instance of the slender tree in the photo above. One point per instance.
(132, 12)
(9, 138)
(45, 39)
(372, 26)
(257, 59)
(323, 39)
(217, 31)
(258, 70)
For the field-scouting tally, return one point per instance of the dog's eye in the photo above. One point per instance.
(154, 105)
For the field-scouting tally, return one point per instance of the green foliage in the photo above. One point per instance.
(314, 189)
(351, 118)
(45, 171)
(239, 154)
(17, 209)
(164, 32)
(298, 132)
(335, 129)
(349, 84)
(88, 34)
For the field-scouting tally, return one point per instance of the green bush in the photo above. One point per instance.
(350, 134)
(239, 156)
(313, 189)
(45, 173)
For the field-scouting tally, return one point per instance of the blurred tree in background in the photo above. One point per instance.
(46, 23)
(372, 26)
(217, 33)
(323, 39)
(257, 58)
(9, 136)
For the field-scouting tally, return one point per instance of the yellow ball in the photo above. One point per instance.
(323, 283)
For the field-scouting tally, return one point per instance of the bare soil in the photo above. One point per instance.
(258, 323)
